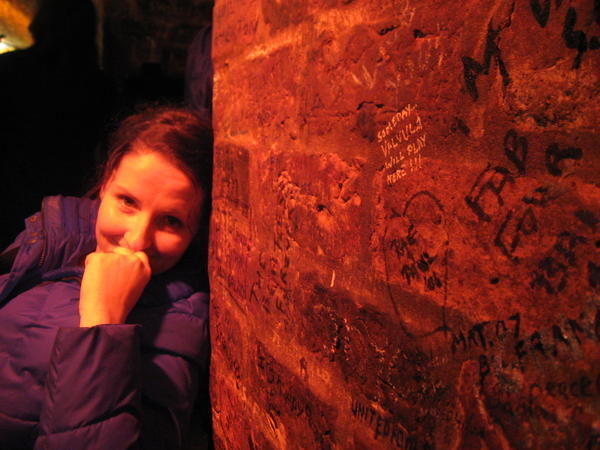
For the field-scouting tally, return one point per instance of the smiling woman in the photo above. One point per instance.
(143, 228)
(103, 313)
(140, 214)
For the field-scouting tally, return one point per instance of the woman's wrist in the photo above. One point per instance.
(91, 319)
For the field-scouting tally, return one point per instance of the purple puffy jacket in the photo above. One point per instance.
(104, 387)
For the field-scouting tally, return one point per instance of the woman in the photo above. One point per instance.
(103, 314)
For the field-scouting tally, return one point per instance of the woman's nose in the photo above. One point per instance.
(138, 237)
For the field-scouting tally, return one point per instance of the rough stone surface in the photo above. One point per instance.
(406, 224)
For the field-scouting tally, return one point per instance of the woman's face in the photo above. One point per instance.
(148, 205)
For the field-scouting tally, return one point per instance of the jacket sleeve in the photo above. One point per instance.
(123, 386)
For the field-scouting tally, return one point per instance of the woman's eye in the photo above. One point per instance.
(126, 201)
(173, 222)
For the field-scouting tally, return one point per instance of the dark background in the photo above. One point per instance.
(60, 98)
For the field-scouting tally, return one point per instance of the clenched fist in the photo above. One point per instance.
(111, 286)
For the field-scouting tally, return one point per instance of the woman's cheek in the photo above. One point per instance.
(111, 223)
(170, 244)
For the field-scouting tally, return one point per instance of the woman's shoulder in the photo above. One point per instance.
(68, 227)
(65, 225)
(55, 238)
(70, 212)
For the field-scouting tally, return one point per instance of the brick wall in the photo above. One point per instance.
(406, 224)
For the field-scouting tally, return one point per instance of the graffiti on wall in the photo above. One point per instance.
(394, 296)
(401, 141)
(573, 38)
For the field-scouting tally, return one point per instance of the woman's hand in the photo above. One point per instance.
(111, 286)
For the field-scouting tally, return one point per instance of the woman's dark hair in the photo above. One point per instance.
(176, 133)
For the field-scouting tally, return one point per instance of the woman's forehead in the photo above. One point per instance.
(151, 174)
